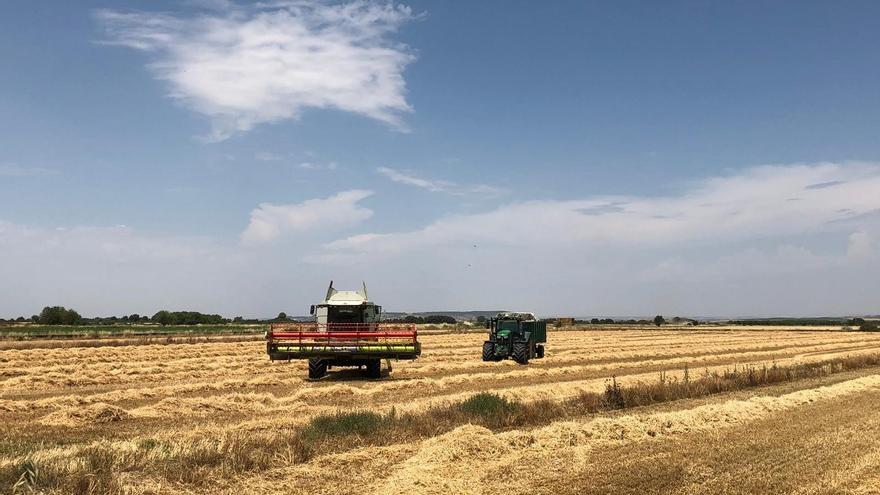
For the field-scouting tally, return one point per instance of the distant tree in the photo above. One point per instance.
(134, 318)
(51, 315)
(676, 320)
(71, 317)
(20, 319)
(282, 316)
(869, 326)
(855, 322)
(59, 315)
(481, 319)
(162, 317)
(595, 321)
(659, 320)
(237, 319)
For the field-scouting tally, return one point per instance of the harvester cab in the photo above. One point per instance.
(516, 335)
(344, 307)
(346, 331)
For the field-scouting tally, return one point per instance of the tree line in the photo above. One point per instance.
(59, 315)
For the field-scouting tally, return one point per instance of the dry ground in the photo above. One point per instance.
(147, 408)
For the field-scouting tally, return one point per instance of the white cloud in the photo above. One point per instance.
(411, 180)
(268, 156)
(860, 246)
(318, 166)
(269, 221)
(244, 66)
(8, 170)
(754, 203)
(439, 185)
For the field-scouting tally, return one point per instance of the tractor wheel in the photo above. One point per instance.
(489, 351)
(520, 352)
(374, 368)
(317, 368)
(539, 351)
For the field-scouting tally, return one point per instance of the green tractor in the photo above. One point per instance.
(516, 335)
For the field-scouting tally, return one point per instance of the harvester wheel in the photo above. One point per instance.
(488, 351)
(374, 368)
(539, 351)
(317, 368)
(520, 352)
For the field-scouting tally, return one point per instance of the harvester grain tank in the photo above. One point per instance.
(515, 335)
(347, 331)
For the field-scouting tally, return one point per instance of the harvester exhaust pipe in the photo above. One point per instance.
(330, 292)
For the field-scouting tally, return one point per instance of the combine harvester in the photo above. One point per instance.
(346, 332)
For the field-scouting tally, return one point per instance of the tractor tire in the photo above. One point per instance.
(539, 351)
(489, 351)
(317, 368)
(520, 352)
(374, 368)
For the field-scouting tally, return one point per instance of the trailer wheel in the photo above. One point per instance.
(539, 351)
(520, 352)
(488, 351)
(374, 368)
(317, 368)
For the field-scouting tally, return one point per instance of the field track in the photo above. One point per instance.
(55, 402)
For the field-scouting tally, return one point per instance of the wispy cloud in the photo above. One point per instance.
(411, 180)
(270, 221)
(318, 166)
(439, 185)
(268, 156)
(721, 209)
(823, 185)
(244, 66)
(8, 170)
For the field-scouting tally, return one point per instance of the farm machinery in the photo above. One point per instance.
(515, 335)
(346, 331)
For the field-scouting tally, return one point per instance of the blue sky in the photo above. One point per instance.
(622, 158)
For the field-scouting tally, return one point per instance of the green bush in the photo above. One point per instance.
(869, 326)
(488, 405)
(344, 423)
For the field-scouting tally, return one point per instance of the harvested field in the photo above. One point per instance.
(215, 415)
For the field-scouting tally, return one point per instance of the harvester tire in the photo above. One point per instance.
(317, 368)
(539, 351)
(374, 368)
(520, 352)
(488, 351)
